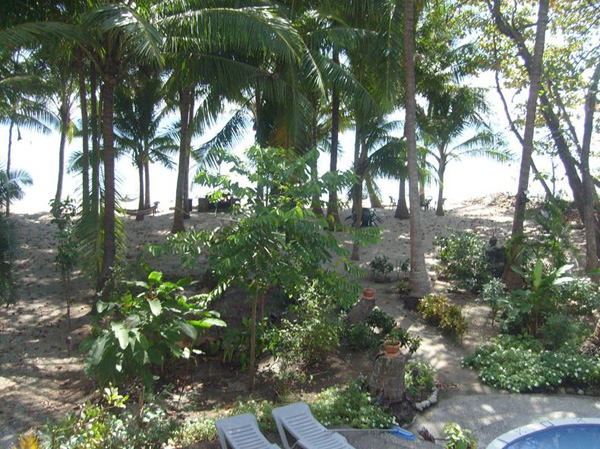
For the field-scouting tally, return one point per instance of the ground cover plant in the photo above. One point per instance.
(112, 424)
(522, 365)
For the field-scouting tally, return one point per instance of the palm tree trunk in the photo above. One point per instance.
(7, 199)
(510, 277)
(109, 249)
(140, 215)
(85, 148)
(314, 164)
(332, 205)
(401, 208)
(420, 283)
(439, 210)
(95, 187)
(61, 163)
(357, 200)
(147, 179)
(184, 106)
(373, 198)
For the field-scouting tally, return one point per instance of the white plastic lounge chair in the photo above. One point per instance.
(242, 432)
(308, 433)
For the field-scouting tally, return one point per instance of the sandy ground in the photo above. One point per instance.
(41, 379)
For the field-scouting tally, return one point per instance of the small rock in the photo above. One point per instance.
(570, 390)
(562, 390)
(580, 392)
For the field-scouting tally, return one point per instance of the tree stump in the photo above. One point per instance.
(387, 378)
(360, 311)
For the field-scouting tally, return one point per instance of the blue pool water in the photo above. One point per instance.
(575, 436)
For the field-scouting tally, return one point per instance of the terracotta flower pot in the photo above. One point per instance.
(369, 293)
(391, 349)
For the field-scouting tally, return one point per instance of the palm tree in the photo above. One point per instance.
(18, 106)
(59, 68)
(12, 184)
(449, 114)
(137, 123)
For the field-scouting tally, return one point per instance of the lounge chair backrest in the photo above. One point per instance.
(241, 432)
(305, 429)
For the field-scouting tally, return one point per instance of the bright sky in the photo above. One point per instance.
(38, 154)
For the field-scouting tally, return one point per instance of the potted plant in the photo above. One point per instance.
(398, 338)
(381, 267)
(369, 293)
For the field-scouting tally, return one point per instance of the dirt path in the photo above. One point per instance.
(39, 379)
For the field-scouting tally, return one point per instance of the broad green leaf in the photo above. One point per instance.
(101, 306)
(97, 350)
(189, 330)
(155, 306)
(208, 322)
(155, 276)
(122, 334)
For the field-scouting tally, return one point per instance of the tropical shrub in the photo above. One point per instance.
(139, 332)
(276, 239)
(463, 259)
(527, 309)
(381, 320)
(437, 310)
(110, 425)
(419, 379)
(521, 365)
(360, 337)
(380, 267)
(312, 332)
(459, 438)
(235, 342)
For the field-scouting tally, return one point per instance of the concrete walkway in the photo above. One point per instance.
(487, 415)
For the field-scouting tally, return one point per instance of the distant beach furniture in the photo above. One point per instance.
(147, 211)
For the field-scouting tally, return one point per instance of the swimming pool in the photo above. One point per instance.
(578, 433)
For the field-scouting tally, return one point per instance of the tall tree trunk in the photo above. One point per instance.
(373, 198)
(8, 157)
(95, 187)
(439, 210)
(420, 284)
(85, 146)
(61, 158)
(357, 208)
(184, 107)
(147, 200)
(510, 277)
(140, 167)
(401, 208)
(332, 205)
(186, 184)
(110, 248)
(314, 164)
(591, 197)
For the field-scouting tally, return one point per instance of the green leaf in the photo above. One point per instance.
(208, 322)
(101, 306)
(155, 306)
(188, 330)
(155, 276)
(97, 351)
(122, 334)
